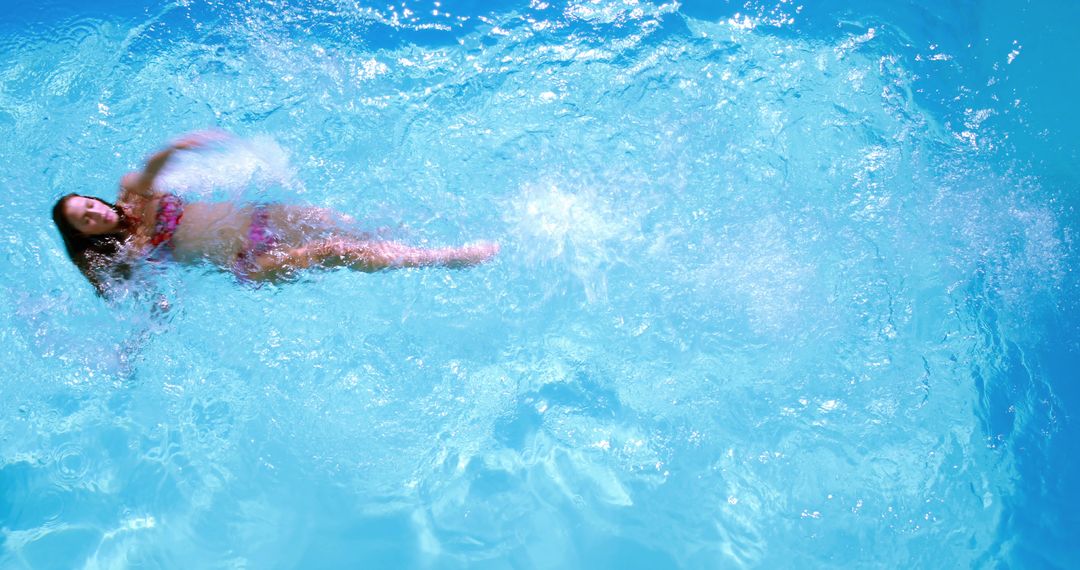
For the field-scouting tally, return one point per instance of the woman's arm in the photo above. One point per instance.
(142, 183)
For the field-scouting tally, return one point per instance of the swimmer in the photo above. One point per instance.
(257, 242)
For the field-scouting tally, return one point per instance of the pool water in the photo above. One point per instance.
(781, 285)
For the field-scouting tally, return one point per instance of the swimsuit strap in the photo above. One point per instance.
(170, 210)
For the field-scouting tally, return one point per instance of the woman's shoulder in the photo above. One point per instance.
(129, 180)
(135, 189)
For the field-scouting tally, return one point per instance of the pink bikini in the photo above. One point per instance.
(260, 240)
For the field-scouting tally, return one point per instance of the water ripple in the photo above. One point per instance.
(71, 463)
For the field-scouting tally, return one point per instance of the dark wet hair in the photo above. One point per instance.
(94, 255)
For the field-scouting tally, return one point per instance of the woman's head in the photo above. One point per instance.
(93, 231)
(89, 216)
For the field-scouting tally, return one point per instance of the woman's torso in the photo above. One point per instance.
(206, 231)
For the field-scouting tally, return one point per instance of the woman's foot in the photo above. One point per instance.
(472, 254)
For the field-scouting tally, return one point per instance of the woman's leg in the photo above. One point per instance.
(369, 256)
(379, 255)
(297, 226)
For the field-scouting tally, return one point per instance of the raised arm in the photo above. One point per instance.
(142, 183)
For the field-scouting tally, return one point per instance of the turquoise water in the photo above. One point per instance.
(781, 286)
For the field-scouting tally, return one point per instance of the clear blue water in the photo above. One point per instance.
(782, 285)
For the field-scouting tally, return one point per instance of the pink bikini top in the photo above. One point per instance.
(170, 210)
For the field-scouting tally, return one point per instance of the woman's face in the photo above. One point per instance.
(90, 216)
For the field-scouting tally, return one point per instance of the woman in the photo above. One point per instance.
(257, 242)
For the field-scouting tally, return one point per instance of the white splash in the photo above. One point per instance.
(239, 168)
(577, 228)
